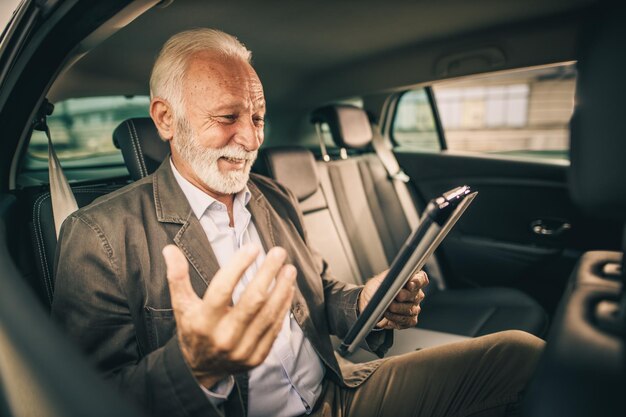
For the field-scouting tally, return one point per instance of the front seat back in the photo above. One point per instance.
(583, 371)
(41, 372)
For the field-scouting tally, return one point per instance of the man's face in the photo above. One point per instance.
(222, 126)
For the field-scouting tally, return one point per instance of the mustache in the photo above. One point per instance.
(236, 152)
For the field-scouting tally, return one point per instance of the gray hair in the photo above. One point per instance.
(170, 66)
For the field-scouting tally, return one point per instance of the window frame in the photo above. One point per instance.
(391, 107)
(430, 96)
(441, 133)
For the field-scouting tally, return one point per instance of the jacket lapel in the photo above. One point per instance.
(260, 212)
(172, 207)
(271, 235)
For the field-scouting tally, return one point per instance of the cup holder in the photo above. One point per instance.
(609, 317)
(612, 270)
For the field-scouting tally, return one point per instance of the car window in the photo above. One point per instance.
(520, 113)
(82, 129)
(414, 122)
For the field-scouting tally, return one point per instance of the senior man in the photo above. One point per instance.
(245, 329)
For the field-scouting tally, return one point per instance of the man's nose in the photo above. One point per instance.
(248, 134)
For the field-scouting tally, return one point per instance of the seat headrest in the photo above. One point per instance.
(291, 166)
(142, 147)
(349, 125)
(598, 136)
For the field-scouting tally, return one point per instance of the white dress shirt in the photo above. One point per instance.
(289, 381)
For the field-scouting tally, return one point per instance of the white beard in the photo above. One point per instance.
(204, 161)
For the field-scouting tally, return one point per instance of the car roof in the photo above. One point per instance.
(317, 51)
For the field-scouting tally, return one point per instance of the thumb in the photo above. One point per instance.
(419, 280)
(181, 292)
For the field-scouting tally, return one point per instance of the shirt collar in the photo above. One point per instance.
(201, 201)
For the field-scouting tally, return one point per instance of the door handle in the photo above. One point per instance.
(549, 227)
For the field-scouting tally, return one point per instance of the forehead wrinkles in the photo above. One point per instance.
(218, 80)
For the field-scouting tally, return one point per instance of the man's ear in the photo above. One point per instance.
(163, 117)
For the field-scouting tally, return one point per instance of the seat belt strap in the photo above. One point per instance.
(399, 178)
(61, 195)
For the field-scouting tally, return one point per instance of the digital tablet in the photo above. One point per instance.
(440, 216)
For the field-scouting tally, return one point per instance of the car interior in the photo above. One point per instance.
(374, 108)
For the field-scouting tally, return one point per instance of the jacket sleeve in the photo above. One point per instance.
(91, 305)
(342, 312)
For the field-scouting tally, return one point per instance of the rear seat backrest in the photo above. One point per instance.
(391, 222)
(296, 169)
(356, 215)
(370, 193)
(367, 193)
(143, 152)
(141, 146)
(43, 234)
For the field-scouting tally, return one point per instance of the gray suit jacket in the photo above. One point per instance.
(112, 296)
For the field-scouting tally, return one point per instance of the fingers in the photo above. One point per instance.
(258, 287)
(220, 291)
(181, 292)
(417, 281)
(402, 321)
(260, 332)
(255, 297)
(239, 337)
(264, 346)
(404, 309)
(256, 293)
(369, 289)
(401, 315)
(406, 296)
(412, 287)
(385, 324)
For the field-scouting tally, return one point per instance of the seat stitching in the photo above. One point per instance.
(141, 158)
(138, 154)
(135, 151)
(39, 240)
(344, 245)
(339, 192)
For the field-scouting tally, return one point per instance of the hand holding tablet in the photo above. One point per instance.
(440, 215)
(404, 310)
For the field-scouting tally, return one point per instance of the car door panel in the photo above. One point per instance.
(495, 244)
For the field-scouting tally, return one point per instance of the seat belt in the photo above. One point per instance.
(61, 195)
(399, 178)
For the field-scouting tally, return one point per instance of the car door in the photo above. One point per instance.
(505, 135)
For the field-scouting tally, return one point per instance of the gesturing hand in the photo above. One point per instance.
(403, 311)
(216, 338)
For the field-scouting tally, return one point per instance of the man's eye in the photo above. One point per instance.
(228, 118)
(259, 121)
